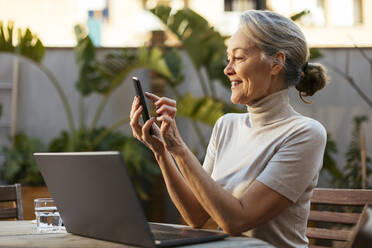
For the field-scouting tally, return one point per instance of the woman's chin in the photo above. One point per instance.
(237, 100)
(233, 100)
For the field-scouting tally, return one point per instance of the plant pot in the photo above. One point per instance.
(29, 193)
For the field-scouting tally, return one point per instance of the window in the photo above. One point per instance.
(317, 15)
(240, 5)
(357, 12)
(346, 13)
(174, 4)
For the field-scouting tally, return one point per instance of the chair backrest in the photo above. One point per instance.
(363, 233)
(11, 194)
(335, 224)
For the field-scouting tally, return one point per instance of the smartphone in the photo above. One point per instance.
(139, 92)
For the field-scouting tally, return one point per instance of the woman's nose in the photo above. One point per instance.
(229, 70)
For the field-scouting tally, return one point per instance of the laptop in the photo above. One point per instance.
(96, 198)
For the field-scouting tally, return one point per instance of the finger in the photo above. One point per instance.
(134, 122)
(135, 116)
(165, 101)
(171, 111)
(152, 96)
(164, 118)
(146, 129)
(166, 122)
(135, 104)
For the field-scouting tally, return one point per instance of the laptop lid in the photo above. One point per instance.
(95, 197)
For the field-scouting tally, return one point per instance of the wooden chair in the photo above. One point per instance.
(362, 233)
(11, 198)
(337, 225)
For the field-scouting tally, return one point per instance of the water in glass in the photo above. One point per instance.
(47, 216)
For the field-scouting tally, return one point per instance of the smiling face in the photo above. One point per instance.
(252, 76)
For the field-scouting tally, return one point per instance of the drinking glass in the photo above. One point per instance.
(47, 215)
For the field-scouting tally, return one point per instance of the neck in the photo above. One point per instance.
(270, 109)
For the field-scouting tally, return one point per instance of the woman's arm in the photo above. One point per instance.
(183, 198)
(185, 201)
(258, 204)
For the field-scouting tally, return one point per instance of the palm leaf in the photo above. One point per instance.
(117, 66)
(174, 63)
(89, 79)
(205, 46)
(205, 109)
(28, 44)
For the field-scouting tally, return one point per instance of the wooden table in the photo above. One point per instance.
(24, 234)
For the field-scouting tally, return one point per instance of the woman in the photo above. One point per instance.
(260, 167)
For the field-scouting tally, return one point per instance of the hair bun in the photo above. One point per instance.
(314, 78)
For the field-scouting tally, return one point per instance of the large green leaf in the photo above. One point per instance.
(153, 59)
(174, 63)
(90, 79)
(116, 66)
(205, 109)
(205, 46)
(28, 44)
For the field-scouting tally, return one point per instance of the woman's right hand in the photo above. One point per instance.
(142, 133)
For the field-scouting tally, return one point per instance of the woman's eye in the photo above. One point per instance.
(234, 59)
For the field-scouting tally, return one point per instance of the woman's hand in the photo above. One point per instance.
(142, 133)
(166, 110)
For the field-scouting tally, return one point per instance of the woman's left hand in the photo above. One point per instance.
(166, 110)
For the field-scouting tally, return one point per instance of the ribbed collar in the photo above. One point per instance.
(270, 109)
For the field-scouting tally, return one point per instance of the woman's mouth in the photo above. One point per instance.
(235, 84)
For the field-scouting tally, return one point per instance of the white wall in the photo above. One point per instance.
(40, 112)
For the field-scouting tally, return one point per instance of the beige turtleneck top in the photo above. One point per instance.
(278, 147)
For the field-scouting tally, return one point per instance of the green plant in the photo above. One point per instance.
(352, 170)
(95, 76)
(329, 163)
(350, 175)
(30, 48)
(19, 164)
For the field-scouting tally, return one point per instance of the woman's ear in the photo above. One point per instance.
(278, 63)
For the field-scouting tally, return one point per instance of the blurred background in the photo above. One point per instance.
(66, 67)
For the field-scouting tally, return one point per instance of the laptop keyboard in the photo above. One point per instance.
(158, 235)
(164, 232)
